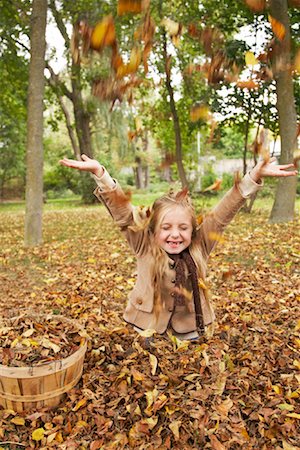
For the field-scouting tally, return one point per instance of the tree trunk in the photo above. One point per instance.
(34, 153)
(82, 117)
(175, 117)
(284, 204)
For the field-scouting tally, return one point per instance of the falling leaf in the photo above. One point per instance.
(213, 236)
(277, 27)
(248, 84)
(103, 33)
(256, 5)
(38, 434)
(171, 27)
(129, 6)
(200, 112)
(297, 61)
(216, 186)
(250, 59)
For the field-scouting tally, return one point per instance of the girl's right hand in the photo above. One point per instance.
(87, 164)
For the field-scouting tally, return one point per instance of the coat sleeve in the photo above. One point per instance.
(215, 222)
(112, 196)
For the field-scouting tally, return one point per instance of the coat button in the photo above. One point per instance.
(173, 281)
(172, 294)
(139, 301)
(170, 309)
(172, 265)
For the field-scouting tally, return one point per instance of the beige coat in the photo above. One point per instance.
(139, 310)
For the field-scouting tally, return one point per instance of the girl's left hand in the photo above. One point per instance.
(269, 169)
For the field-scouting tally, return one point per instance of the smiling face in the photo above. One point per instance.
(174, 232)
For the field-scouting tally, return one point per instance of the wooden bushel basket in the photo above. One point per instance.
(28, 388)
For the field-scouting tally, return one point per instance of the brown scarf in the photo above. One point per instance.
(182, 259)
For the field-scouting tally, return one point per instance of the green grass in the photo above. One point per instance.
(201, 202)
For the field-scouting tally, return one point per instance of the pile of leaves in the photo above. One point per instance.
(29, 341)
(239, 388)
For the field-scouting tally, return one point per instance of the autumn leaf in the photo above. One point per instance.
(256, 5)
(216, 444)
(216, 186)
(80, 404)
(38, 434)
(18, 421)
(103, 34)
(297, 62)
(174, 427)
(129, 6)
(171, 27)
(153, 363)
(250, 59)
(198, 112)
(277, 27)
(248, 84)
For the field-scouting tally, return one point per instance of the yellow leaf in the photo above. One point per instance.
(296, 363)
(14, 342)
(216, 237)
(297, 62)
(79, 404)
(287, 446)
(147, 333)
(277, 389)
(250, 59)
(171, 27)
(153, 363)
(286, 407)
(38, 434)
(151, 422)
(18, 421)
(293, 415)
(81, 424)
(103, 34)
(138, 376)
(198, 112)
(59, 438)
(297, 327)
(174, 427)
(297, 342)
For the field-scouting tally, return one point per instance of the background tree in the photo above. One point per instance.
(284, 204)
(34, 154)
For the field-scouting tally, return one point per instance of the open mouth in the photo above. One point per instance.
(174, 244)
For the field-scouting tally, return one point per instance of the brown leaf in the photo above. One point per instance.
(216, 444)
(248, 84)
(277, 27)
(256, 5)
(129, 6)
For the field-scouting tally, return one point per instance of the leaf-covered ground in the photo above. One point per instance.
(239, 389)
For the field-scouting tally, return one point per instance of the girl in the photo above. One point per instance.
(172, 249)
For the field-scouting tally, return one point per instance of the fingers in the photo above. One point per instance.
(84, 157)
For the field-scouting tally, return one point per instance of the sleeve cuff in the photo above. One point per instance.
(105, 181)
(248, 187)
